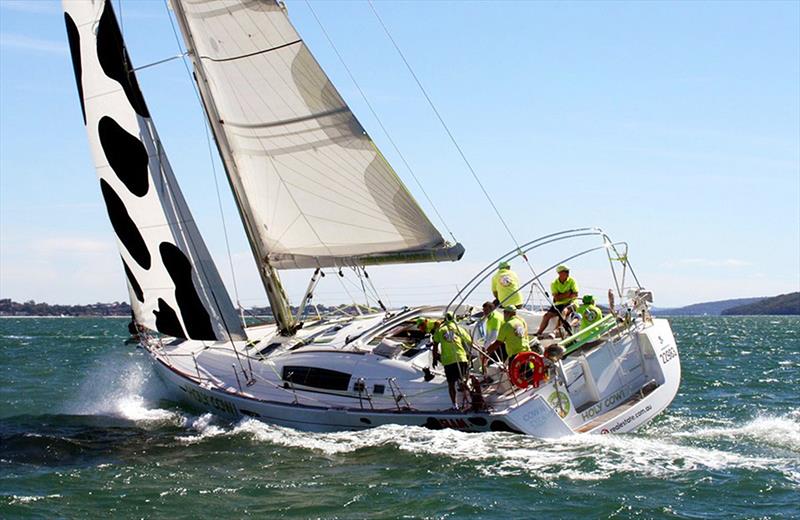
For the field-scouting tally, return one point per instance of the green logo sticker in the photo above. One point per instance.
(560, 402)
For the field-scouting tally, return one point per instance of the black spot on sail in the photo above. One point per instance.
(126, 154)
(124, 227)
(195, 316)
(167, 321)
(75, 50)
(137, 289)
(115, 61)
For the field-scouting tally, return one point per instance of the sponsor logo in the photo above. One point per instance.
(627, 420)
(560, 402)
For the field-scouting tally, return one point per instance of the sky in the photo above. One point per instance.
(674, 126)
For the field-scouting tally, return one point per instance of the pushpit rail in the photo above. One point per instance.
(615, 251)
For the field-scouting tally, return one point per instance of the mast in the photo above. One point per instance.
(278, 301)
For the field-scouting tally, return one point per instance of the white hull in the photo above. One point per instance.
(633, 387)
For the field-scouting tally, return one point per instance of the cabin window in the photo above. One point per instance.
(316, 377)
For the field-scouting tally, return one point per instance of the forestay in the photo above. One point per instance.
(313, 189)
(173, 283)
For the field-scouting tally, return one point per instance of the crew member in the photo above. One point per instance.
(505, 286)
(512, 337)
(590, 313)
(453, 340)
(564, 291)
(492, 319)
(427, 325)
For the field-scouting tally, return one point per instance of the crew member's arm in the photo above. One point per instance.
(489, 351)
(564, 296)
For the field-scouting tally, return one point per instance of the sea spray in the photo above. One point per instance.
(124, 385)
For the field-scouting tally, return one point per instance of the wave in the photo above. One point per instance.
(580, 457)
(778, 431)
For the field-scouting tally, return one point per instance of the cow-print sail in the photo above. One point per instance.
(195, 316)
(125, 227)
(75, 51)
(167, 320)
(137, 289)
(115, 61)
(126, 155)
(159, 240)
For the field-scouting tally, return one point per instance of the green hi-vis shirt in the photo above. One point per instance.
(568, 286)
(494, 320)
(589, 314)
(453, 340)
(514, 334)
(504, 283)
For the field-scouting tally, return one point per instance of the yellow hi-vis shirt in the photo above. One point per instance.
(493, 321)
(589, 314)
(453, 340)
(504, 283)
(514, 334)
(430, 324)
(569, 285)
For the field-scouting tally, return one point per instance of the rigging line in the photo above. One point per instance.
(444, 125)
(363, 287)
(352, 299)
(159, 62)
(374, 289)
(380, 123)
(456, 145)
(211, 158)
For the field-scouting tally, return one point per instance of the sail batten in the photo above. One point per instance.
(309, 181)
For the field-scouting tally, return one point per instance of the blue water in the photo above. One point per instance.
(85, 432)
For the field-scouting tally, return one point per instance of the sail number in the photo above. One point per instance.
(668, 355)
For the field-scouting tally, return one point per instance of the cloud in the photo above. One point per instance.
(27, 43)
(730, 263)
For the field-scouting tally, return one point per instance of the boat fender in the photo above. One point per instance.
(527, 369)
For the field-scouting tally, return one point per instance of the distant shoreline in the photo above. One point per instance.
(781, 305)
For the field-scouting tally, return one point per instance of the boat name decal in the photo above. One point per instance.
(212, 401)
(627, 420)
(615, 398)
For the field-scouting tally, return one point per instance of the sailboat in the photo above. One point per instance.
(314, 192)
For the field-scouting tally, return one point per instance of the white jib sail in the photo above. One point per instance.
(314, 189)
(174, 285)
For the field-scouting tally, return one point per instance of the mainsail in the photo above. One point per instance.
(313, 189)
(174, 285)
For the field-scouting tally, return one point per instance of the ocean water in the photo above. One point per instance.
(85, 432)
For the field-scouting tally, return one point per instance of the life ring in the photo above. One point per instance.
(520, 371)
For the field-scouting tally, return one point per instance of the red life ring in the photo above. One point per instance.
(520, 371)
